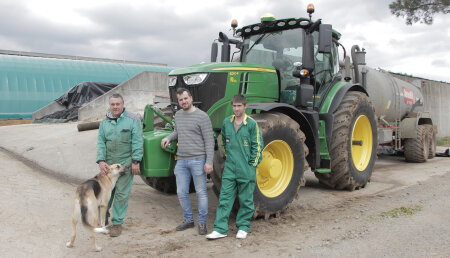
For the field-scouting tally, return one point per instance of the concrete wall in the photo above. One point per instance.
(137, 93)
(436, 99)
(47, 110)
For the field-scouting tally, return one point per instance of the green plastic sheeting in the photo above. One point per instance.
(28, 83)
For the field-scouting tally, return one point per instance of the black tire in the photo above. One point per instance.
(431, 141)
(345, 174)
(416, 149)
(273, 126)
(218, 165)
(163, 184)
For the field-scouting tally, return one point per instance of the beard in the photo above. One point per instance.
(186, 107)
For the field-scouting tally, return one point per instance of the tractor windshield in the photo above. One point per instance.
(279, 49)
(282, 49)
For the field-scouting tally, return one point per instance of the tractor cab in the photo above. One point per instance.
(301, 51)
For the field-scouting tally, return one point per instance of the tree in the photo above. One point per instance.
(419, 10)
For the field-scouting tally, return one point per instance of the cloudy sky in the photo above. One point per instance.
(180, 32)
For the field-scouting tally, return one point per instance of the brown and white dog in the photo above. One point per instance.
(91, 202)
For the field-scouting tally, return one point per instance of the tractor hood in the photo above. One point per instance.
(222, 67)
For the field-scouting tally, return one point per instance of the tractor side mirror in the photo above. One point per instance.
(308, 52)
(325, 38)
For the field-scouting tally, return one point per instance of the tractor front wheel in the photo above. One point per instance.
(280, 173)
(163, 184)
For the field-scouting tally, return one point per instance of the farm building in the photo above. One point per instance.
(29, 81)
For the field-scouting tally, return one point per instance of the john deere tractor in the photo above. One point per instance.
(312, 114)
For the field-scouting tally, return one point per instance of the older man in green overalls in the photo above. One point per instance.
(119, 141)
(242, 143)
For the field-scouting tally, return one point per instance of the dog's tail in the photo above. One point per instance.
(85, 206)
(101, 230)
(84, 219)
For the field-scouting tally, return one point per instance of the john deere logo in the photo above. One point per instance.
(245, 143)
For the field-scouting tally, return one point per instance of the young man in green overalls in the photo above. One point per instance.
(242, 144)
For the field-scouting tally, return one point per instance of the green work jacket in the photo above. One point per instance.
(243, 149)
(120, 141)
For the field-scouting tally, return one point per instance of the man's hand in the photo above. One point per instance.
(103, 167)
(164, 143)
(135, 170)
(208, 168)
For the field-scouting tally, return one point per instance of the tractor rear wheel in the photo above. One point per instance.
(417, 149)
(353, 143)
(280, 174)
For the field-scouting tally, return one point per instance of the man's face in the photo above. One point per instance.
(185, 101)
(239, 109)
(116, 106)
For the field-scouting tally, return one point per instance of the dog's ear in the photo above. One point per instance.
(108, 169)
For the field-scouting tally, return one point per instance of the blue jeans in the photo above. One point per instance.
(184, 170)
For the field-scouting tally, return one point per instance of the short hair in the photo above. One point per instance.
(239, 98)
(181, 90)
(116, 96)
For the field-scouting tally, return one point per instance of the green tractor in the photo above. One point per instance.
(311, 116)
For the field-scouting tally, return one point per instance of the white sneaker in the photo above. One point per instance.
(215, 235)
(241, 234)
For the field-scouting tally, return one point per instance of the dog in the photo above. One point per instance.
(91, 201)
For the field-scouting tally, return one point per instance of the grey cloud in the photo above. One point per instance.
(440, 63)
(159, 35)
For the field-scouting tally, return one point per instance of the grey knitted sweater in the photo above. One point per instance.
(195, 135)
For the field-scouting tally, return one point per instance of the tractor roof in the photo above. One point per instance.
(268, 25)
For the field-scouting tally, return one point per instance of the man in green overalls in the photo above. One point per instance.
(242, 143)
(119, 141)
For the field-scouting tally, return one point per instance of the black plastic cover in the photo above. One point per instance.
(84, 93)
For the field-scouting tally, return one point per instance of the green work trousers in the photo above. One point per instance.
(119, 198)
(231, 182)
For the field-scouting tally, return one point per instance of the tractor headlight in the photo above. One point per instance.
(172, 81)
(196, 78)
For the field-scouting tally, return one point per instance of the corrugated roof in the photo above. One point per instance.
(29, 82)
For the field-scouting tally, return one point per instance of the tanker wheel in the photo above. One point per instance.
(353, 144)
(280, 174)
(417, 149)
(431, 141)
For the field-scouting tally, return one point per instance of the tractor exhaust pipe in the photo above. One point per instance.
(358, 58)
(214, 50)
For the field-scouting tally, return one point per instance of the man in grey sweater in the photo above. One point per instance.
(195, 152)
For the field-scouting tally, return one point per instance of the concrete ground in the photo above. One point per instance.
(59, 148)
(42, 164)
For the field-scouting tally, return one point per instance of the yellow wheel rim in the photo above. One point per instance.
(362, 143)
(274, 173)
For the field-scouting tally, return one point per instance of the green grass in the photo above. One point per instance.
(443, 141)
(402, 211)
